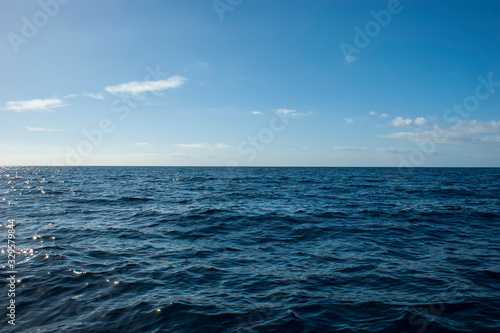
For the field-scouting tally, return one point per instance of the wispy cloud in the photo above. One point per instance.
(349, 120)
(384, 115)
(393, 150)
(257, 113)
(350, 148)
(70, 96)
(350, 59)
(144, 144)
(137, 87)
(400, 122)
(94, 96)
(293, 113)
(41, 129)
(372, 113)
(46, 104)
(195, 145)
(223, 146)
(462, 133)
(421, 121)
(203, 145)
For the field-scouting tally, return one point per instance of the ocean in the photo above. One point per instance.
(250, 249)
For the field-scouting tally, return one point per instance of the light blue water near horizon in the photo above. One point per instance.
(251, 249)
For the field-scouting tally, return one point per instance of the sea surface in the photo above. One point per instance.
(189, 249)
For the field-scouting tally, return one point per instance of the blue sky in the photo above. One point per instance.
(228, 82)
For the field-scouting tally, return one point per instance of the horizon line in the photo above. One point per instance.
(248, 166)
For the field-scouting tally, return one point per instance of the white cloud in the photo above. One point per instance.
(257, 113)
(350, 59)
(462, 133)
(94, 96)
(195, 145)
(384, 115)
(306, 148)
(41, 129)
(137, 87)
(349, 120)
(46, 104)
(372, 113)
(393, 150)
(400, 121)
(421, 121)
(203, 145)
(70, 96)
(143, 144)
(350, 148)
(223, 146)
(286, 111)
(292, 113)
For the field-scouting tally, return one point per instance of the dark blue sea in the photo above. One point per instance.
(191, 249)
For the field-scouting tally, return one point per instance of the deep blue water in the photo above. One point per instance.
(178, 249)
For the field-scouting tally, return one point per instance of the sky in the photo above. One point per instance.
(250, 83)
